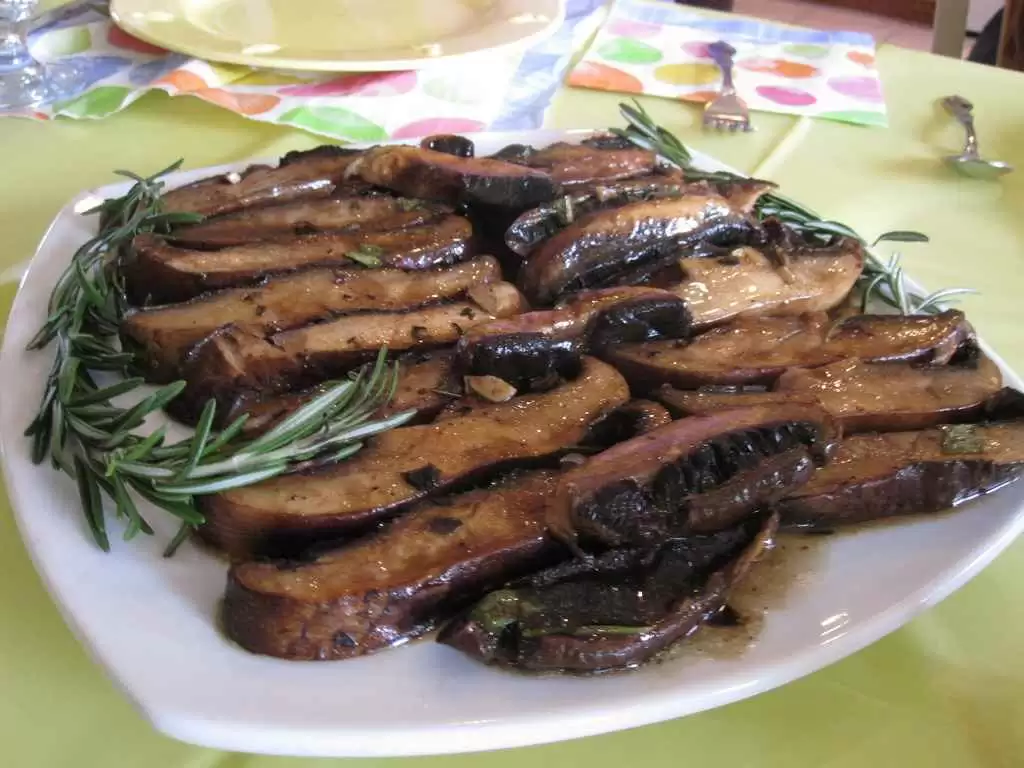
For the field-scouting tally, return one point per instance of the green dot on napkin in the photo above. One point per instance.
(629, 51)
(334, 121)
(99, 102)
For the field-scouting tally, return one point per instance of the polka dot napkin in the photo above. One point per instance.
(660, 49)
(506, 90)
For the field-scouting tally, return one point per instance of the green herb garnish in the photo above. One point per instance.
(962, 438)
(82, 432)
(880, 279)
(409, 204)
(367, 255)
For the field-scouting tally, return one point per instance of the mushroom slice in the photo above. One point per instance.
(619, 611)
(233, 363)
(285, 514)
(757, 350)
(906, 473)
(157, 272)
(700, 474)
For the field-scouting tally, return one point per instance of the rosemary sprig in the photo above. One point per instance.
(84, 433)
(880, 280)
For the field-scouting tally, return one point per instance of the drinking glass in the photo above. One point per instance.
(24, 81)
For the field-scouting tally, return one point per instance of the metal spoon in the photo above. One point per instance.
(969, 162)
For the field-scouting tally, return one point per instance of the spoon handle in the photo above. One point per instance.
(963, 111)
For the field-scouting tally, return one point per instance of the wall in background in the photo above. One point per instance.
(980, 12)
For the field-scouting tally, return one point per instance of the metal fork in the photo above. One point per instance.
(727, 111)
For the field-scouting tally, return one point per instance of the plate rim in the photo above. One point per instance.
(120, 15)
(360, 741)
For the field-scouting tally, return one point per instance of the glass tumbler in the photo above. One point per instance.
(24, 81)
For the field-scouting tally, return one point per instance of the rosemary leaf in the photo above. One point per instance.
(183, 509)
(869, 290)
(199, 439)
(938, 298)
(126, 507)
(901, 236)
(178, 540)
(92, 503)
(226, 435)
(105, 394)
(135, 415)
(302, 419)
(225, 482)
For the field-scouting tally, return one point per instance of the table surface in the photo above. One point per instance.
(943, 691)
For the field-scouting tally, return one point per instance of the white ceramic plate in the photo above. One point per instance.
(337, 35)
(152, 623)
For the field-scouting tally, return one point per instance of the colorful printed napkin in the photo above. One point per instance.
(502, 91)
(660, 49)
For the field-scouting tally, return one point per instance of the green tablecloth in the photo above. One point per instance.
(943, 691)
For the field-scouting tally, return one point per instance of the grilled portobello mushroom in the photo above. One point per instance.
(865, 397)
(535, 226)
(757, 350)
(450, 144)
(155, 271)
(161, 336)
(300, 175)
(750, 282)
(621, 611)
(426, 384)
(571, 165)
(233, 365)
(695, 475)
(432, 175)
(395, 584)
(285, 514)
(893, 474)
(531, 349)
(307, 217)
(599, 247)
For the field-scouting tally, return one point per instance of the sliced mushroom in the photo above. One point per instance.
(233, 364)
(599, 247)
(396, 583)
(158, 272)
(161, 336)
(300, 175)
(431, 175)
(306, 217)
(753, 282)
(757, 350)
(865, 397)
(450, 144)
(425, 385)
(535, 226)
(285, 514)
(574, 164)
(534, 349)
(700, 474)
(626, 610)
(906, 473)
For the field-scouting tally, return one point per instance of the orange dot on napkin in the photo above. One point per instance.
(859, 57)
(243, 103)
(183, 81)
(590, 74)
(699, 96)
(793, 70)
